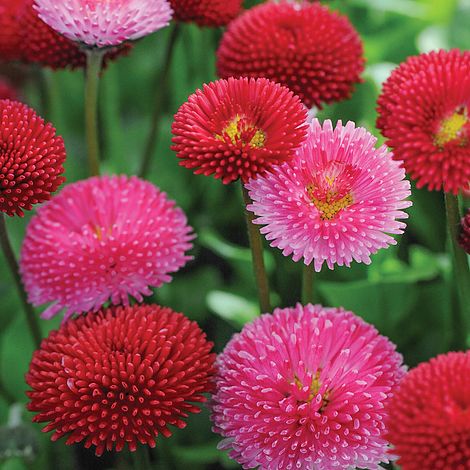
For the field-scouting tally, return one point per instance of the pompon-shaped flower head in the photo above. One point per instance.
(31, 158)
(238, 128)
(336, 201)
(206, 12)
(105, 238)
(7, 90)
(305, 388)
(314, 51)
(424, 112)
(47, 47)
(10, 30)
(120, 377)
(428, 420)
(104, 23)
(464, 238)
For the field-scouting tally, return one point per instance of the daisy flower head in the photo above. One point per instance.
(238, 128)
(336, 201)
(305, 388)
(428, 417)
(206, 12)
(305, 46)
(31, 158)
(424, 112)
(104, 23)
(102, 239)
(120, 377)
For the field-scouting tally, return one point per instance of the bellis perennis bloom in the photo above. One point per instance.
(336, 201)
(120, 377)
(424, 111)
(312, 50)
(305, 388)
(104, 23)
(102, 239)
(238, 128)
(206, 12)
(31, 158)
(429, 415)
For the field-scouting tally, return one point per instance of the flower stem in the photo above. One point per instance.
(94, 63)
(307, 284)
(141, 458)
(461, 268)
(256, 244)
(161, 89)
(15, 272)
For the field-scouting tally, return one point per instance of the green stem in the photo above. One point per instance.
(307, 284)
(461, 268)
(31, 317)
(256, 243)
(161, 90)
(94, 63)
(141, 458)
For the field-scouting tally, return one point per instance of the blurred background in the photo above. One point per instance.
(406, 292)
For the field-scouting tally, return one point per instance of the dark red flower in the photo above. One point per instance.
(49, 48)
(315, 52)
(238, 128)
(120, 376)
(465, 232)
(206, 12)
(10, 30)
(429, 415)
(424, 113)
(31, 158)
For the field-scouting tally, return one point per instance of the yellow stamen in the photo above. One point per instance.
(237, 129)
(451, 128)
(330, 206)
(314, 389)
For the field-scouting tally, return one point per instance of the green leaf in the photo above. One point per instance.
(232, 308)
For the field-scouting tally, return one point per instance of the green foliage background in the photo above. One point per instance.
(407, 292)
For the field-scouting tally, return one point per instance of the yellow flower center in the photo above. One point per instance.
(240, 131)
(314, 389)
(452, 129)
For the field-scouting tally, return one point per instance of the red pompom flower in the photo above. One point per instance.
(429, 415)
(238, 128)
(315, 52)
(424, 113)
(206, 12)
(121, 376)
(31, 158)
(10, 30)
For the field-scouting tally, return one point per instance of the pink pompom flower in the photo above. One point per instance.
(102, 239)
(336, 201)
(305, 388)
(104, 23)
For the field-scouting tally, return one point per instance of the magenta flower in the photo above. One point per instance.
(103, 23)
(336, 201)
(305, 388)
(102, 239)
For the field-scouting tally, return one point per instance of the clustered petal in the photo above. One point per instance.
(428, 417)
(104, 23)
(120, 377)
(31, 158)
(238, 128)
(424, 112)
(336, 201)
(305, 46)
(102, 239)
(206, 12)
(305, 388)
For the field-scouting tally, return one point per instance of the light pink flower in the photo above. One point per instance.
(102, 239)
(104, 23)
(305, 388)
(336, 201)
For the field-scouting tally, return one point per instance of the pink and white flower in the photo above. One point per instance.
(336, 201)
